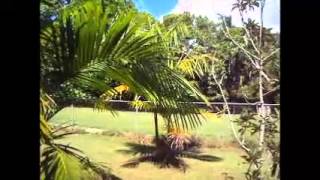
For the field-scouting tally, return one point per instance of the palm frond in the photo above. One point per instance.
(59, 165)
(137, 104)
(196, 65)
(127, 53)
(61, 162)
(45, 130)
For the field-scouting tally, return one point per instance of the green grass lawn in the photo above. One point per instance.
(102, 148)
(141, 122)
(105, 149)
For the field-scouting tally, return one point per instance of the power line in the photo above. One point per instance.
(211, 103)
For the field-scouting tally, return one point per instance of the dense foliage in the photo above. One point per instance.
(85, 49)
(240, 81)
(93, 51)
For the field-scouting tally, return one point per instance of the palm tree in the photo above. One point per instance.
(84, 42)
(60, 161)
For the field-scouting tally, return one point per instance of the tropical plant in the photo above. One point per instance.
(162, 155)
(81, 45)
(168, 152)
(138, 104)
(178, 139)
(60, 161)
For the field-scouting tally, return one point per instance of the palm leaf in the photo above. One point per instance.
(129, 52)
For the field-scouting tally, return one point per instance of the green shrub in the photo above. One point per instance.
(69, 93)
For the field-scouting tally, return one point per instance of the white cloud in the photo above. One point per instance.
(211, 8)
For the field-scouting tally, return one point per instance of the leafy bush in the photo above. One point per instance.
(69, 93)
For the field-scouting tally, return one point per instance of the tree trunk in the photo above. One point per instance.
(263, 115)
(261, 23)
(156, 125)
(262, 109)
(169, 126)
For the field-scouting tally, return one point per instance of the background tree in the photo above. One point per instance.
(240, 80)
(251, 74)
(258, 52)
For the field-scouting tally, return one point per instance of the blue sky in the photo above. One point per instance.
(210, 8)
(156, 7)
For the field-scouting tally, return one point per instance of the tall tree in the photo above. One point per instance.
(257, 54)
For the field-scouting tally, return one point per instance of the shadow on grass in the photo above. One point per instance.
(112, 177)
(201, 157)
(135, 149)
(163, 156)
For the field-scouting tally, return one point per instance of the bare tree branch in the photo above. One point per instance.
(241, 143)
(220, 82)
(271, 54)
(251, 40)
(248, 33)
(272, 90)
(265, 76)
(249, 55)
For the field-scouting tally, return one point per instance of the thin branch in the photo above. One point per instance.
(249, 55)
(251, 40)
(220, 82)
(271, 54)
(254, 46)
(248, 33)
(265, 76)
(245, 51)
(272, 90)
(229, 113)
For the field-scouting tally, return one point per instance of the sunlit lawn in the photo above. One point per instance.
(105, 149)
(142, 122)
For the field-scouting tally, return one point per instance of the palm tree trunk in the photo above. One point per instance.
(169, 126)
(156, 125)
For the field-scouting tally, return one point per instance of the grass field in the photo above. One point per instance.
(213, 127)
(107, 149)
